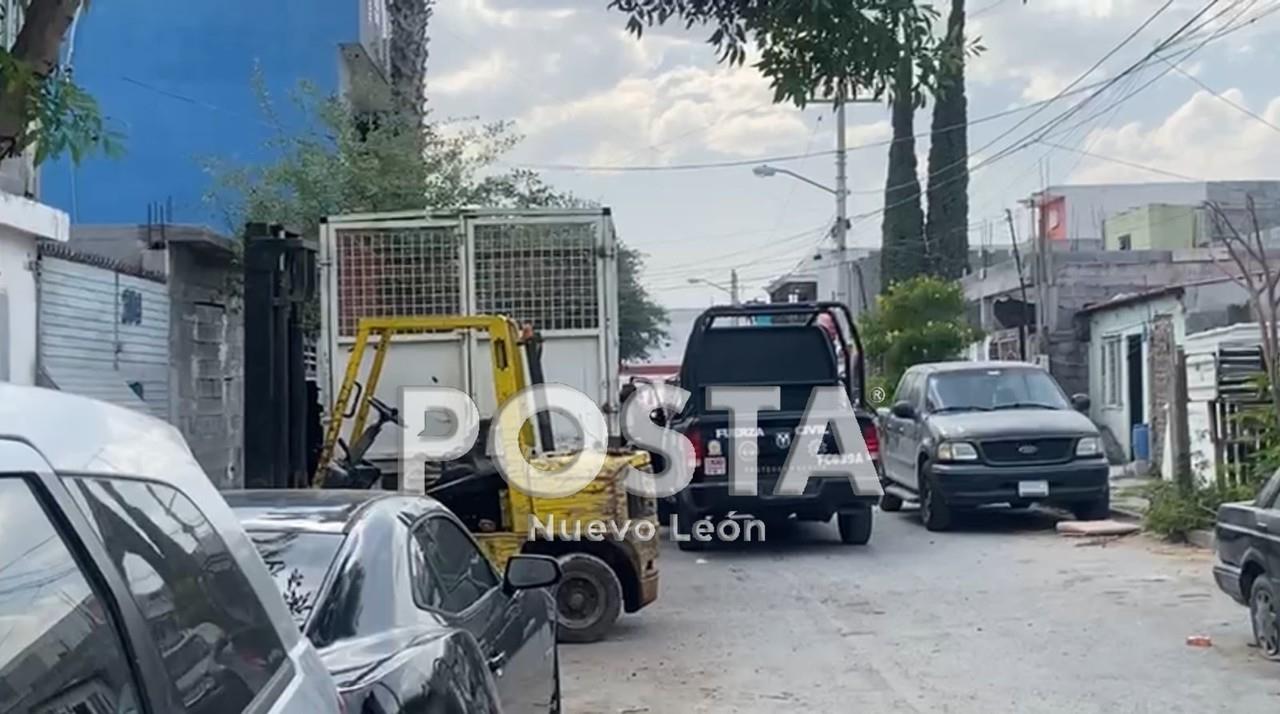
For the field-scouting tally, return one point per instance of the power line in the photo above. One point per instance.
(1243, 110)
(1122, 162)
(1031, 138)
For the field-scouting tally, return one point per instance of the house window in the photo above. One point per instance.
(1126, 242)
(1111, 371)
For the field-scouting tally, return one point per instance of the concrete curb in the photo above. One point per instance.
(1126, 514)
(1201, 539)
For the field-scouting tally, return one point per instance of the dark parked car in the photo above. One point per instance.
(968, 434)
(407, 613)
(126, 584)
(792, 346)
(1248, 568)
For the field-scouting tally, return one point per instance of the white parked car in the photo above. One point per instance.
(126, 583)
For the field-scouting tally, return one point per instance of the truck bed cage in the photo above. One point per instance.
(853, 366)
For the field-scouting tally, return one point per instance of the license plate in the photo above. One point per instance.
(714, 466)
(1027, 489)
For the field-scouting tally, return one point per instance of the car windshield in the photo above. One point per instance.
(298, 561)
(991, 389)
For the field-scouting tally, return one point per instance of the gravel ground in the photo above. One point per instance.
(1002, 615)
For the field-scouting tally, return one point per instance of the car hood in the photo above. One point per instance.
(1012, 423)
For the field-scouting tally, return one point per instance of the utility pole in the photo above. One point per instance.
(733, 287)
(842, 206)
(1022, 284)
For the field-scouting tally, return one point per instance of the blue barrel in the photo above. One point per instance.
(1141, 440)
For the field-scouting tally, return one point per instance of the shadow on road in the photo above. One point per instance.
(995, 519)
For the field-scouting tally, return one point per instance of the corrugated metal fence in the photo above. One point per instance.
(104, 331)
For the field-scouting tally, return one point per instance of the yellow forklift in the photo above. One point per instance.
(602, 578)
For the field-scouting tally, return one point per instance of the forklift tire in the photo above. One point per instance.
(588, 599)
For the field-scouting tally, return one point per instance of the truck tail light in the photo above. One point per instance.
(699, 450)
(872, 439)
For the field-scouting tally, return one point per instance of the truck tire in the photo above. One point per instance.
(935, 512)
(855, 526)
(588, 599)
(890, 503)
(1098, 509)
(682, 531)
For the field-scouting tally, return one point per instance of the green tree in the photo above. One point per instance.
(642, 322)
(344, 162)
(918, 320)
(947, 227)
(40, 105)
(834, 48)
(903, 252)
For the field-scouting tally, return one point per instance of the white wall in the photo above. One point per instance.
(22, 222)
(1122, 322)
(18, 300)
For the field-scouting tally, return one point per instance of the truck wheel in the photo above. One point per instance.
(935, 512)
(1264, 610)
(1096, 510)
(890, 503)
(855, 526)
(588, 599)
(685, 518)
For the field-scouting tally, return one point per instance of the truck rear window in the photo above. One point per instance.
(775, 355)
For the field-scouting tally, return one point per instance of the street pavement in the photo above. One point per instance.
(1001, 615)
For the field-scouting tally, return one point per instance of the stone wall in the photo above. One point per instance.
(1162, 359)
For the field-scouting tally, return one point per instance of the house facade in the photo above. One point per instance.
(1133, 342)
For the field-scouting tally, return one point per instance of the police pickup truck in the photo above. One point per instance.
(799, 348)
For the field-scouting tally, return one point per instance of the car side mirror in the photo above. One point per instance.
(904, 410)
(526, 572)
(1080, 402)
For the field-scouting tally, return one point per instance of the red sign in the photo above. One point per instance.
(1053, 217)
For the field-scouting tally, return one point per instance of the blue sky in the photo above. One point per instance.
(584, 93)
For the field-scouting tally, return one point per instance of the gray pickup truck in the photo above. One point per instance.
(966, 434)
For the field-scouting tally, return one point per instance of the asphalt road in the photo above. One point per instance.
(1002, 615)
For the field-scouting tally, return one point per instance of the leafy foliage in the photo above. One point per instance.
(1173, 512)
(918, 320)
(40, 104)
(830, 47)
(947, 227)
(55, 115)
(904, 252)
(342, 162)
(642, 321)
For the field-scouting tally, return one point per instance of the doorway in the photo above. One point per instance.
(1137, 404)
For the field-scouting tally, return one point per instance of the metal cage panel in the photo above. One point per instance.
(396, 271)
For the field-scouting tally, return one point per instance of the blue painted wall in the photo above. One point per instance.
(174, 76)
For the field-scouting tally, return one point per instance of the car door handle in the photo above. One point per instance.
(1262, 526)
(496, 663)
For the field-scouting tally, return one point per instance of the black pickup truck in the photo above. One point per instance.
(797, 347)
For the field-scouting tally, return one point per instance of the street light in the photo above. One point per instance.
(767, 171)
(732, 291)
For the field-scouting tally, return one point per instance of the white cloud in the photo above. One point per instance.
(1204, 137)
(483, 75)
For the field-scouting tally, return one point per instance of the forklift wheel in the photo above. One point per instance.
(588, 599)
